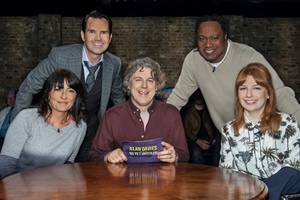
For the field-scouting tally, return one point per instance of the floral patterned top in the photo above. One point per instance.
(261, 155)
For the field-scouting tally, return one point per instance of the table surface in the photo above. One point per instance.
(99, 180)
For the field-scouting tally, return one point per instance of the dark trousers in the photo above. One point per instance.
(205, 157)
(83, 153)
(197, 154)
(285, 181)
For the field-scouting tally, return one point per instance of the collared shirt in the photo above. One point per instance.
(261, 155)
(217, 64)
(86, 70)
(123, 122)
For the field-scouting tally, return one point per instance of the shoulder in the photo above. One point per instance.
(30, 112)
(190, 110)
(80, 128)
(244, 50)
(193, 55)
(73, 48)
(165, 107)
(82, 125)
(28, 116)
(117, 109)
(238, 46)
(109, 57)
(4, 111)
(287, 118)
(227, 128)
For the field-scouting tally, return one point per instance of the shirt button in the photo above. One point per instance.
(137, 109)
(140, 120)
(142, 136)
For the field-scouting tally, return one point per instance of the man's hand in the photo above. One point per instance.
(168, 154)
(203, 144)
(116, 156)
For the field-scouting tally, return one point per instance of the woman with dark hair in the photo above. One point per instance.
(50, 134)
(261, 141)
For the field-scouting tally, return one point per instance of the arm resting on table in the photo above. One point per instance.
(7, 166)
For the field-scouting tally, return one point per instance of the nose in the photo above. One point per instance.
(63, 94)
(249, 93)
(99, 36)
(208, 43)
(144, 84)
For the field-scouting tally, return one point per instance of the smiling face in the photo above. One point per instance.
(253, 98)
(142, 88)
(96, 38)
(61, 100)
(212, 42)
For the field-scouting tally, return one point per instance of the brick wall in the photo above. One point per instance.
(25, 41)
(18, 52)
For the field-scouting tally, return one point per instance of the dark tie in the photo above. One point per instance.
(90, 79)
(5, 124)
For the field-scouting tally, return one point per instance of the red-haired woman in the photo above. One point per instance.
(261, 141)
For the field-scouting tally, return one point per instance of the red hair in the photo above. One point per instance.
(271, 120)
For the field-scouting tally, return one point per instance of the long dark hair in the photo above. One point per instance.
(56, 79)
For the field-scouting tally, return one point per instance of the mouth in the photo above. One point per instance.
(98, 44)
(250, 101)
(143, 92)
(62, 102)
(209, 51)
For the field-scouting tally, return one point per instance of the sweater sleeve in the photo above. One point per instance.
(185, 85)
(8, 166)
(17, 136)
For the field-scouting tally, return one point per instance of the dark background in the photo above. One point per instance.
(136, 8)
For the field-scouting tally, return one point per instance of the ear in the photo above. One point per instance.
(226, 37)
(110, 37)
(129, 85)
(82, 35)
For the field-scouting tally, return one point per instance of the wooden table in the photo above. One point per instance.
(98, 180)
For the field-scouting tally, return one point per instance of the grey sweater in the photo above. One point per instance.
(31, 142)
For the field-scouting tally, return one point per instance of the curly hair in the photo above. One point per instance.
(222, 21)
(146, 62)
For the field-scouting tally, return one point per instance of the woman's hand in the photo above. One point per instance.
(116, 156)
(168, 154)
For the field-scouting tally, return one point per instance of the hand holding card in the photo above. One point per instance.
(142, 151)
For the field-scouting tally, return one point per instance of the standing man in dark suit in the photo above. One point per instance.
(104, 83)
